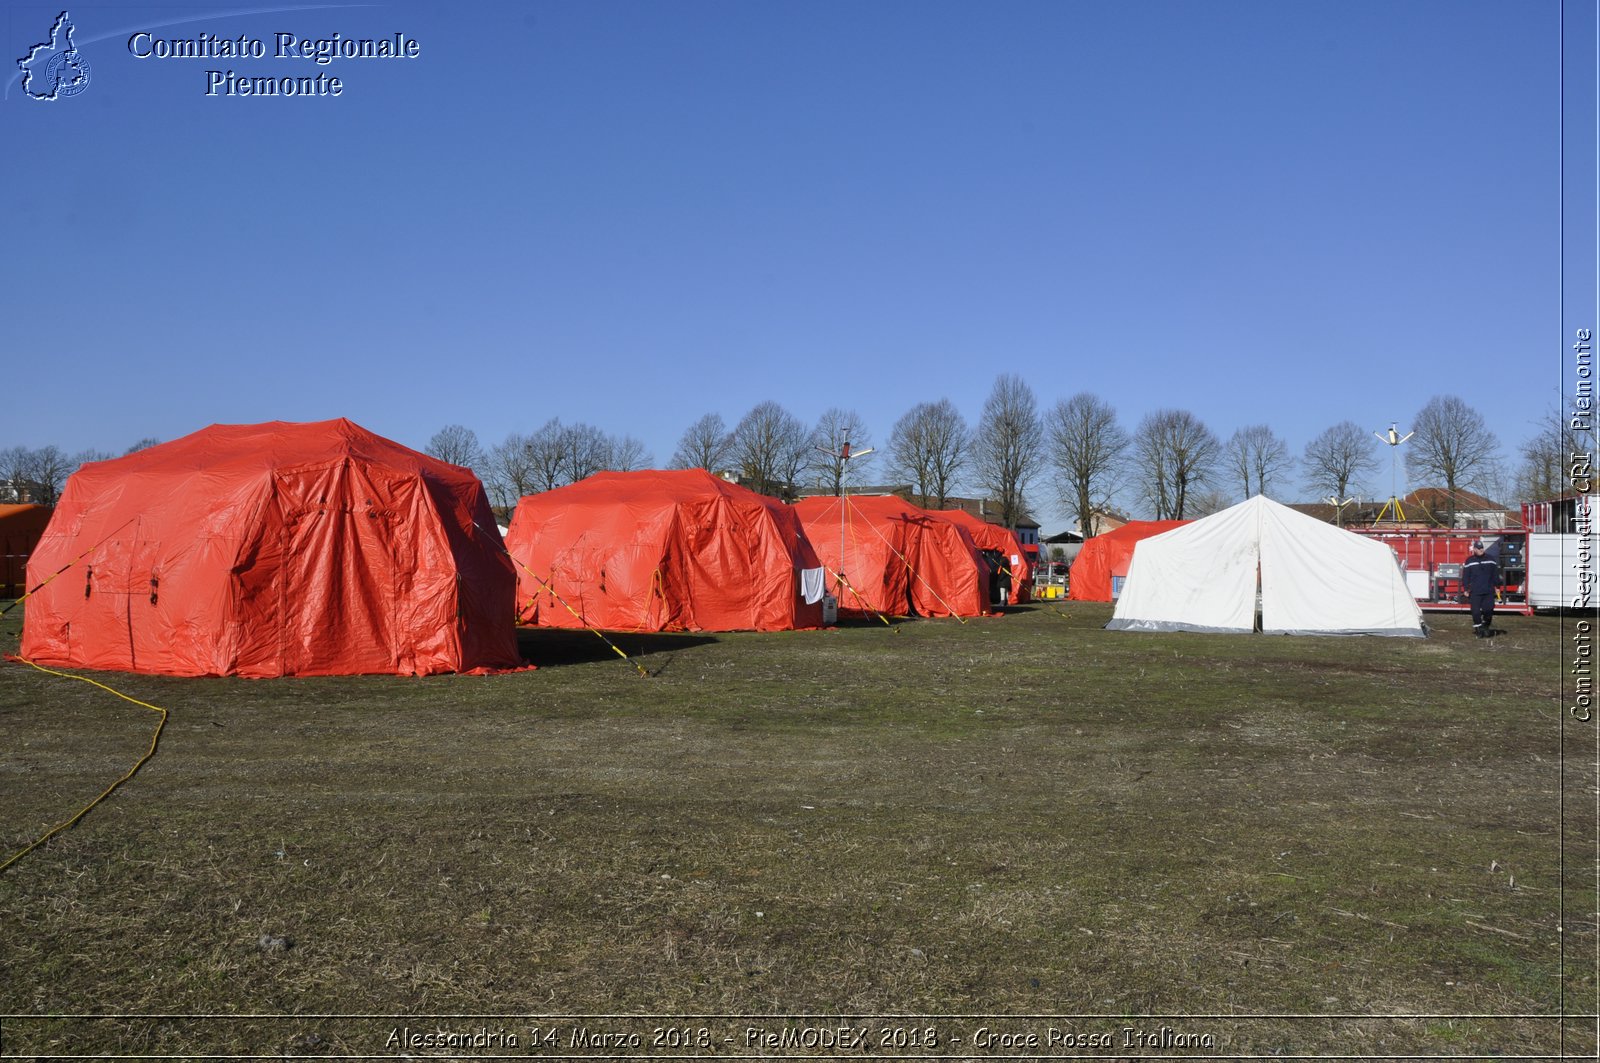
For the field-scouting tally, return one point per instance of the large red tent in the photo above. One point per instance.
(20, 529)
(656, 550)
(1002, 541)
(273, 549)
(1105, 558)
(896, 558)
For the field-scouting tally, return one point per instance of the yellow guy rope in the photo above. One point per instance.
(847, 586)
(592, 630)
(596, 631)
(45, 582)
(867, 606)
(917, 575)
(154, 739)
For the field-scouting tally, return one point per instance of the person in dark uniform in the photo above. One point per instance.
(1480, 575)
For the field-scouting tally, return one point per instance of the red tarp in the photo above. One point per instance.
(273, 549)
(897, 559)
(994, 537)
(661, 551)
(20, 528)
(1108, 555)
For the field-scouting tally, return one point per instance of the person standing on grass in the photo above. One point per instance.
(1480, 575)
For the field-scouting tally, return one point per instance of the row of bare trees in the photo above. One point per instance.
(1171, 465)
(38, 475)
(772, 450)
(1179, 468)
(553, 455)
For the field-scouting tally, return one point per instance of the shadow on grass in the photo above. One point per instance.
(852, 621)
(553, 647)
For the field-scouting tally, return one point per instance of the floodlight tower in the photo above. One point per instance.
(1394, 439)
(1338, 505)
(843, 457)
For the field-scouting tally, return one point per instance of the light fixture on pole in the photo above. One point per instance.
(1338, 505)
(1394, 439)
(843, 459)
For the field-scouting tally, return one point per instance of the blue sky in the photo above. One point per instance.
(635, 213)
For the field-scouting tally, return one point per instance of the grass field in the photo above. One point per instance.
(1289, 845)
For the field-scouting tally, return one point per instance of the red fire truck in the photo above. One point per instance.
(1432, 559)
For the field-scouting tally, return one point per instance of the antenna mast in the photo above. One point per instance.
(1393, 438)
(843, 458)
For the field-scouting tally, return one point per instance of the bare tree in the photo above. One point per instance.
(456, 445)
(1086, 447)
(929, 447)
(1174, 452)
(84, 457)
(1206, 501)
(48, 469)
(557, 454)
(1258, 458)
(585, 450)
(831, 465)
(705, 445)
(510, 470)
(1007, 445)
(1549, 455)
(1338, 460)
(144, 444)
(1453, 445)
(769, 449)
(626, 454)
(14, 462)
(546, 454)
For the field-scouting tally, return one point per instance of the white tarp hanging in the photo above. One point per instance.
(1313, 578)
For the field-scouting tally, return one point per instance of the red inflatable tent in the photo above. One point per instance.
(1003, 541)
(20, 528)
(273, 549)
(1105, 557)
(896, 558)
(663, 551)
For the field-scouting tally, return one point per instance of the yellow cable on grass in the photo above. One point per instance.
(154, 739)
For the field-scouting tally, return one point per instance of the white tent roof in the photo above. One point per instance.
(1314, 579)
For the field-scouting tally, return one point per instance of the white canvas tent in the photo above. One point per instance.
(1313, 578)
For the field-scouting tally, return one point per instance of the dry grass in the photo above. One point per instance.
(1022, 816)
